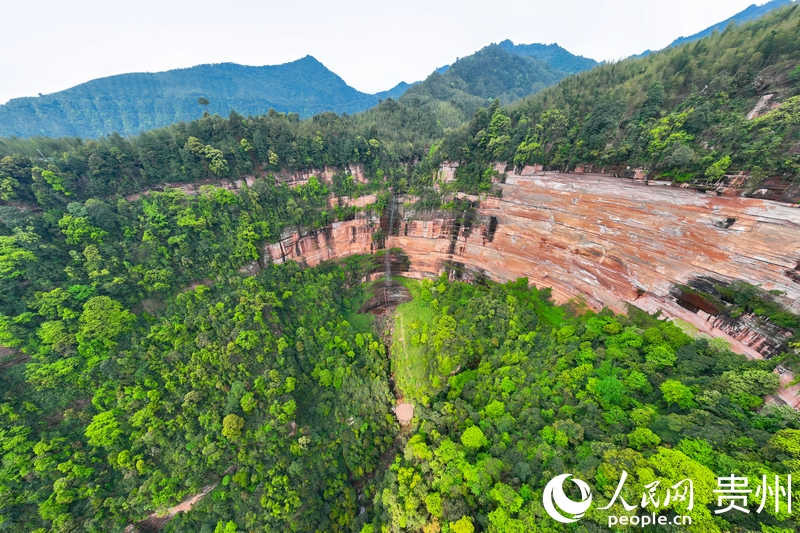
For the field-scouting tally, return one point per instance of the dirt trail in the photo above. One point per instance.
(156, 521)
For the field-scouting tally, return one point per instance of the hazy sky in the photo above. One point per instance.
(50, 45)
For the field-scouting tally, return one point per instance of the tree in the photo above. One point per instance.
(462, 525)
(232, 426)
(752, 381)
(788, 440)
(226, 527)
(506, 496)
(718, 169)
(103, 320)
(676, 392)
(217, 163)
(661, 355)
(495, 409)
(610, 391)
(433, 502)
(642, 438)
(473, 438)
(13, 256)
(103, 430)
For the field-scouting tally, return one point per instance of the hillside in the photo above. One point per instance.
(472, 81)
(751, 13)
(166, 345)
(686, 113)
(132, 103)
(226, 316)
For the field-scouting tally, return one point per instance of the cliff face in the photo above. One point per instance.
(608, 240)
(340, 239)
(615, 242)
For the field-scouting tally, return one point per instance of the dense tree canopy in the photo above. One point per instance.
(681, 112)
(539, 391)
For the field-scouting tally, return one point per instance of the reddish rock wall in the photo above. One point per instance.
(301, 177)
(339, 240)
(615, 241)
(346, 201)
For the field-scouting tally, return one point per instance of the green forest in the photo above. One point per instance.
(143, 362)
(515, 391)
(681, 113)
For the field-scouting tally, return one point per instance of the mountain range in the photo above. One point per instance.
(453, 95)
(132, 103)
(556, 56)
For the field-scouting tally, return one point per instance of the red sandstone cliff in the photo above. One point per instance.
(611, 240)
(340, 239)
(617, 242)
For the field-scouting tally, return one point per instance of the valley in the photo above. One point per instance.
(411, 318)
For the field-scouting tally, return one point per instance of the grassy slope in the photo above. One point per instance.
(362, 322)
(409, 363)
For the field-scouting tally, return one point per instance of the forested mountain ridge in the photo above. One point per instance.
(410, 123)
(132, 103)
(395, 92)
(686, 114)
(473, 81)
(752, 12)
(682, 112)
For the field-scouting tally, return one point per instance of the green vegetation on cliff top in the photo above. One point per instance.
(682, 112)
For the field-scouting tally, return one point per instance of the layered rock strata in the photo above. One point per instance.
(609, 241)
(613, 241)
(340, 239)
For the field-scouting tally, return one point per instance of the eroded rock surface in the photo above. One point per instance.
(340, 239)
(615, 242)
(611, 241)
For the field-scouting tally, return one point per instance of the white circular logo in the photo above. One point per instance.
(555, 501)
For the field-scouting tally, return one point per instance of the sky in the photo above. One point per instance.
(51, 45)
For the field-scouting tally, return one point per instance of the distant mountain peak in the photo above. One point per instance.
(557, 56)
(489, 73)
(136, 102)
(308, 58)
